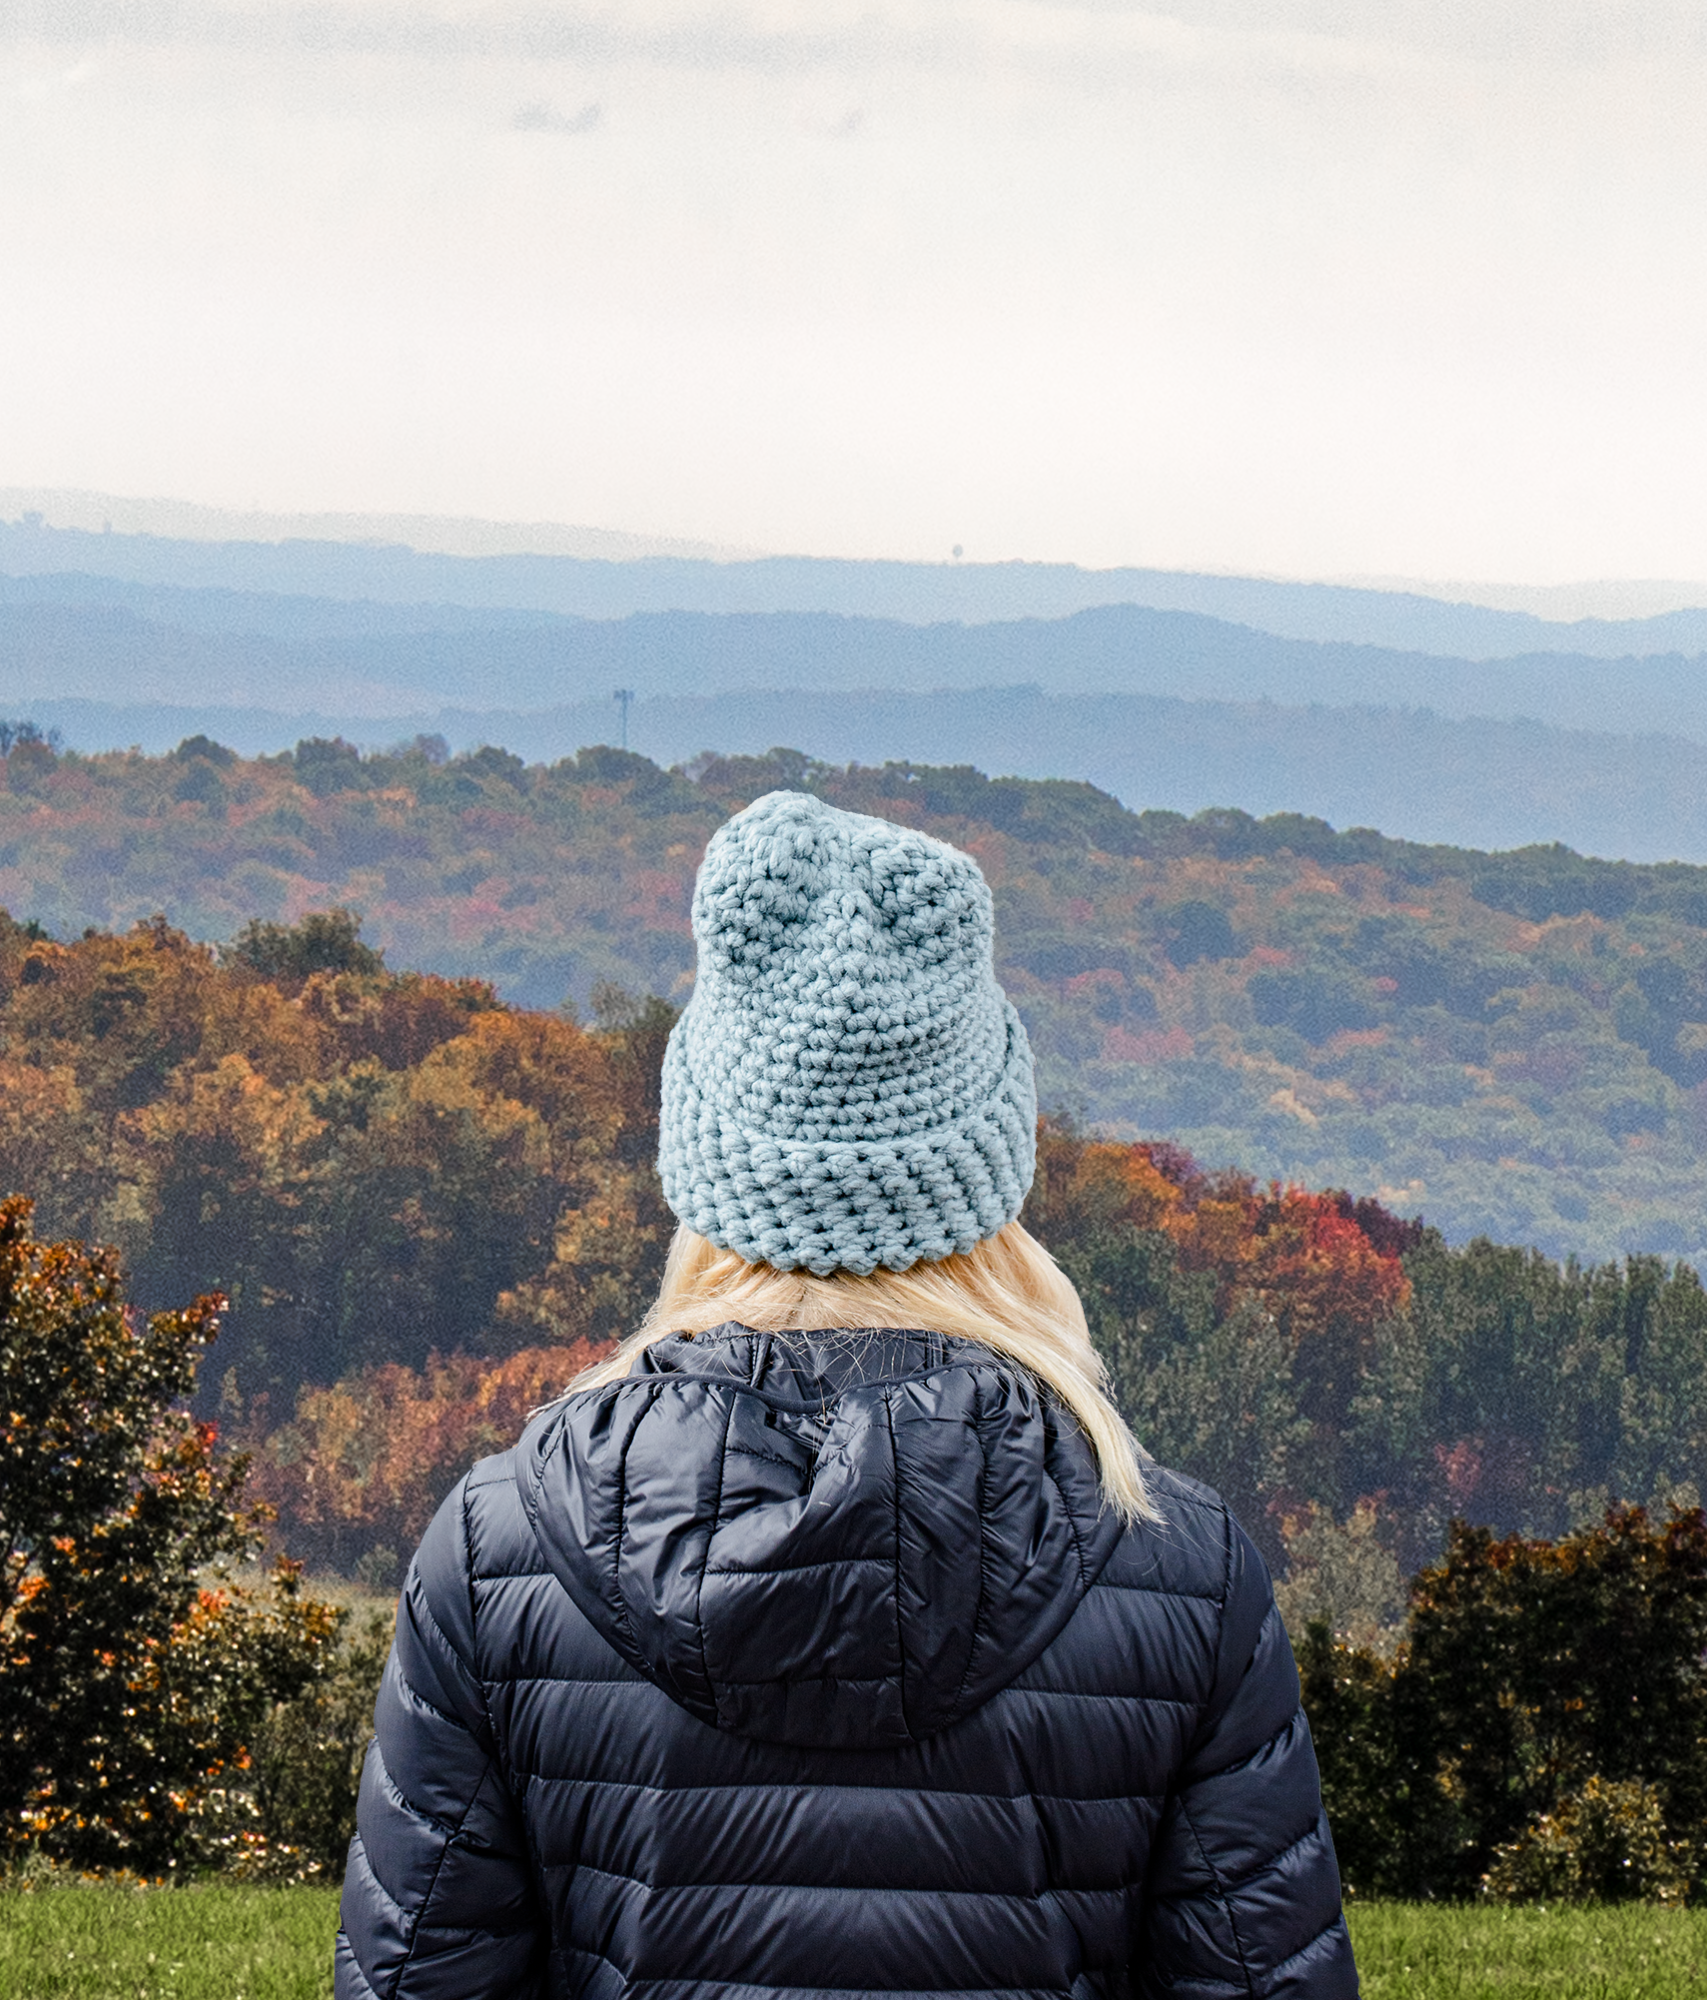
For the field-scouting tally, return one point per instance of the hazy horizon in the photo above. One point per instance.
(176, 518)
(1310, 288)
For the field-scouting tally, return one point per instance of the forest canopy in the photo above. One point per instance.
(428, 1208)
(1514, 1044)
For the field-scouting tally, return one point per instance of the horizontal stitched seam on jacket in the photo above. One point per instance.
(584, 1867)
(1102, 1583)
(819, 1680)
(1015, 1689)
(797, 1569)
(1012, 1692)
(456, 1935)
(709, 1986)
(768, 1458)
(900, 1791)
(1160, 1590)
(1330, 1926)
(1215, 1506)
(632, 1985)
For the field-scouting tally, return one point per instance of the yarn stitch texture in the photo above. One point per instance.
(849, 1087)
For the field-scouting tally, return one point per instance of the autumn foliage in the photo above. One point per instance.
(1515, 1043)
(136, 1671)
(1312, 1261)
(371, 1166)
(1349, 1381)
(359, 1465)
(356, 1473)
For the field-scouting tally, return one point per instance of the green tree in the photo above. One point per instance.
(305, 1763)
(134, 1672)
(1378, 1824)
(325, 941)
(1546, 1693)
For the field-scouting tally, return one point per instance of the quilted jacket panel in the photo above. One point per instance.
(814, 1667)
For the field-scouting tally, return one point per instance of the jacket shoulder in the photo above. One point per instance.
(1191, 1547)
(501, 1540)
(1191, 1573)
(480, 1532)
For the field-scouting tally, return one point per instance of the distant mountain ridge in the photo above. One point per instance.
(101, 639)
(1161, 707)
(919, 593)
(462, 535)
(1467, 783)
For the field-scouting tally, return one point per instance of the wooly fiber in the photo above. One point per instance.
(848, 1087)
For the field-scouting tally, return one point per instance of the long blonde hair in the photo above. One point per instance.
(1007, 1293)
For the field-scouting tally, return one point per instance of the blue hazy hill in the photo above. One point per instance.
(917, 593)
(1476, 783)
(105, 640)
(1168, 707)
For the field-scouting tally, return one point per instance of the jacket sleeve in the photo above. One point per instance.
(1243, 1895)
(438, 1899)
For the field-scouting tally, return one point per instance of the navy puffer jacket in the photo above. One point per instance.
(809, 1665)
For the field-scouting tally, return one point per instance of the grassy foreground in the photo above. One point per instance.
(1433, 1951)
(219, 1942)
(215, 1941)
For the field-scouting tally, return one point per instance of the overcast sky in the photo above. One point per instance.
(1312, 287)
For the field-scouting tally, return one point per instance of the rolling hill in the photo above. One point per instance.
(1509, 1043)
(922, 593)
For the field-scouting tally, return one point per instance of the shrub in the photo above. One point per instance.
(134, 1671)
(1543, 1728)
(1606, 1843)
(305, 1766)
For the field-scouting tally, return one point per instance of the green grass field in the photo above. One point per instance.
(224, 1943)
(1428, 1951)
(212, 1942)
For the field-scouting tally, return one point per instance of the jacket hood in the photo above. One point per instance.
(843, 1540)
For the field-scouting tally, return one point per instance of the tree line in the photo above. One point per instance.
(1535, 1729)
(1515, 1043)
(426, 1209)
(378, 1168)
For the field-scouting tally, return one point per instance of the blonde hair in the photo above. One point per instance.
(1007, 1293)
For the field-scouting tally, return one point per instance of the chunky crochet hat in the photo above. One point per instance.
(849, 1087)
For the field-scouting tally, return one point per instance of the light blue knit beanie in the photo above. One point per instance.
(849, 1087)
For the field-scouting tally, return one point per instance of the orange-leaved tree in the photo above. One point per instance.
(135, 1672)
(1239, 1322)
(359, 1470)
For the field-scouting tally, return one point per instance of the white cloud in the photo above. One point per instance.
(808, 35)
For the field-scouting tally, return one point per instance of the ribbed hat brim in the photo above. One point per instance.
(835, 1205)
